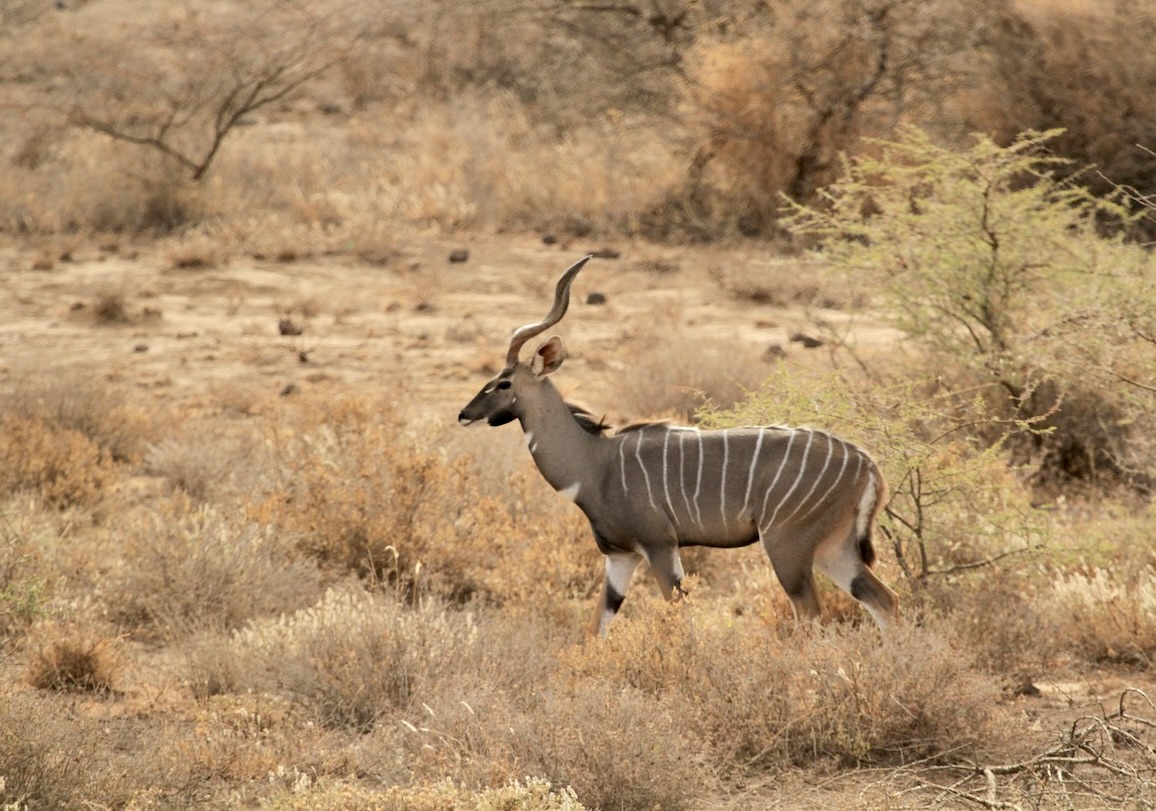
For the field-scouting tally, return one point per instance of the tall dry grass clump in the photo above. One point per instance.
(188, 570)
(353, 658)
(1109, 615)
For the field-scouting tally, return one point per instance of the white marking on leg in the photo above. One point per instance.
(529, 438)
(779, 472)
(619, 569)
(798, 478)
(571, 492)
(645, 474)
(819, 478)
(751, 472)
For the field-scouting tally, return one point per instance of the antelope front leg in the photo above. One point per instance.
(619, 569)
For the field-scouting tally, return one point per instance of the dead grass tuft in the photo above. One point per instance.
(77, 658)
(1110, 615)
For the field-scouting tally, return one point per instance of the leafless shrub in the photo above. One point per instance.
(208, 471)
(192, 570)
(825, 694)
(40, 747)
(218, 72)
(352, 658)
(1104, 759)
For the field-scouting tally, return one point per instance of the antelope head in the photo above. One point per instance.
(497, 402)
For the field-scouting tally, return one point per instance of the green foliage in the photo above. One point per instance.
(993, 264)
(954, 503)
(23, 592)
(974, 250)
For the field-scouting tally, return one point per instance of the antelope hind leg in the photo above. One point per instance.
(793, 569)
(843, 562)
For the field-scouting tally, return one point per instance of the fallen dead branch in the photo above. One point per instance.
(1100, 761)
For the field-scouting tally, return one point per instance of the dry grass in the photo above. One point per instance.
(189, 570)
(76, 658)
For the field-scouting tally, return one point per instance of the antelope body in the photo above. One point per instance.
(809, 497)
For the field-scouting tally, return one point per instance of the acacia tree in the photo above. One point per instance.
(197, 75)
(995, 264)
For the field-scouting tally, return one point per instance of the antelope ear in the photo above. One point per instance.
(548, 357)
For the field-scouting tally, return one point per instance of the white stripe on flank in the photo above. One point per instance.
(723, 482)
(798, 478)
(847, 450)
(666, 477)
(645, 475)
(866, 506)
(779, 472)
(682, 474)
(819, 478)
(698, 484)
(571, 492)
(751, 472)
(622, 467)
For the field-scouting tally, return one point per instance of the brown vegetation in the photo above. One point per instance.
(251, 563)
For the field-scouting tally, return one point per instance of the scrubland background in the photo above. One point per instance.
(248, 559)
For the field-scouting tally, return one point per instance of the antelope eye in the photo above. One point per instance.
(503, 384)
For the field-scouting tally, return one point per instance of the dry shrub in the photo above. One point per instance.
(92, 186)
(354, 657)
(1083, 434)
(615, 746)
(189, 570)
(823, 694)
(1108, 615)
(78, 658)
(367, 494)
(104, 413)
(1083, 67)
(23, 588)
(208, 471)
(51, 758)
(60, 465)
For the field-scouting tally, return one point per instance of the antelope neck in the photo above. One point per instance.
(562, 449)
